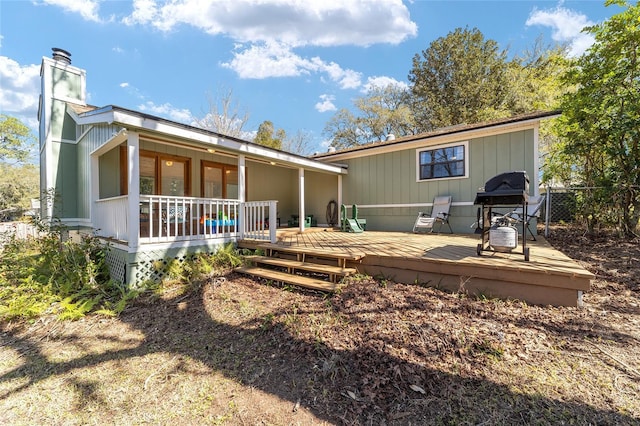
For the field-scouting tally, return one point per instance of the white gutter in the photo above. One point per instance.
(114, 116)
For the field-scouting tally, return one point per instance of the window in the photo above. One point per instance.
(443, 162)
(160, 174)
(219, 180)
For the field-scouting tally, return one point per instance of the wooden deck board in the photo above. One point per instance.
(298, 280)
(446, 254)
(296, 265)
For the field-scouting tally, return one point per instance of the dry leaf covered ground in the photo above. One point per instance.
(241, 352)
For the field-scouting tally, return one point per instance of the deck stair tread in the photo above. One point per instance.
(313, 251)
(298, 280)
(293, 265)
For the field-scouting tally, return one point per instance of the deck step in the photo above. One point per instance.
(298, 280)
(294, 265)
(302, 253)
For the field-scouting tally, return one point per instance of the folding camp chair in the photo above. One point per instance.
(439, 214)
(533, 212)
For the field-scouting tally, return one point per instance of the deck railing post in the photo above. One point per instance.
(241, 222)
(273, 221)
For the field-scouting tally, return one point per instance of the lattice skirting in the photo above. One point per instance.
(135, 268)
(117, 264)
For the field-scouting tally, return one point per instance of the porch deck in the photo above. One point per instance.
(450, 262)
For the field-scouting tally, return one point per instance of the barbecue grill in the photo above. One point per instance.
(498, 232)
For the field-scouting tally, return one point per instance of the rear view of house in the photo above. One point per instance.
(157, 190)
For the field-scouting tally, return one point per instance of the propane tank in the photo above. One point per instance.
(503, 237)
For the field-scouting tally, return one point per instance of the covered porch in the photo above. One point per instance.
(142, 190)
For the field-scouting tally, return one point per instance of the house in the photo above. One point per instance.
(157, 189)
(392, 180)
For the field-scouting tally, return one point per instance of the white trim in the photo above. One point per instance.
(76, 221)
(536, 160)
(465, 144)
(113, 116)
(408, 205)
(108, 145)
(145, 247)
(428, 140)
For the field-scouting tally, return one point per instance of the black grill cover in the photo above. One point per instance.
(505, 188)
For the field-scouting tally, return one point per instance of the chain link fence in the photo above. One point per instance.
(570, 206)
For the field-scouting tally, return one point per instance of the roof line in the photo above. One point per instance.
(444, 131)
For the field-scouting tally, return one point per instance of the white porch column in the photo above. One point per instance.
(242, 189)
(301, 213)
(133, 185)
(339, 193)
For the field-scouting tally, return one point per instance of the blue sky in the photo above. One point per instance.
(293, 62)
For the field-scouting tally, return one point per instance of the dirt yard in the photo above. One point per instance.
(240, 352)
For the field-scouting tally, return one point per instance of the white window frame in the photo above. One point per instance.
(465, 144)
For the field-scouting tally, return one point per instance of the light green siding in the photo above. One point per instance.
(390, 179)
(109, 165)
(267, 182)
(66, 200)
(66, 84)
(320, 189)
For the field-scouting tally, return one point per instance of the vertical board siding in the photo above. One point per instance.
(390, 178)
(320, 189)
(93, 137)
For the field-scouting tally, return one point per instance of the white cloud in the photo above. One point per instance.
(566, 26)
(278, 60)
(268, 60)
(267, 32)
(381, 82)
(124, 85)
(347, 79)
(326, 103)
(167, 110)
(144, 12)
(88, 9)
(20, 90)
(294, 22)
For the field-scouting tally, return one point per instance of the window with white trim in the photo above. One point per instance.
(443, 162)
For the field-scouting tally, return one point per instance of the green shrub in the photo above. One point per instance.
(49, 275)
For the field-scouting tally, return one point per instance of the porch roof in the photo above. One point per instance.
(195, 137)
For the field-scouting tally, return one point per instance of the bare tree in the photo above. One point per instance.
(224, 116)
(300, 143)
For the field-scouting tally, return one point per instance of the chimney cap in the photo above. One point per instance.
(61, 55)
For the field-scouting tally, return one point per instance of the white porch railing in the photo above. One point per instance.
(167, 219)
(110, 217)
(260, 221)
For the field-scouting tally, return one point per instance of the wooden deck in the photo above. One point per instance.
(451, 262)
